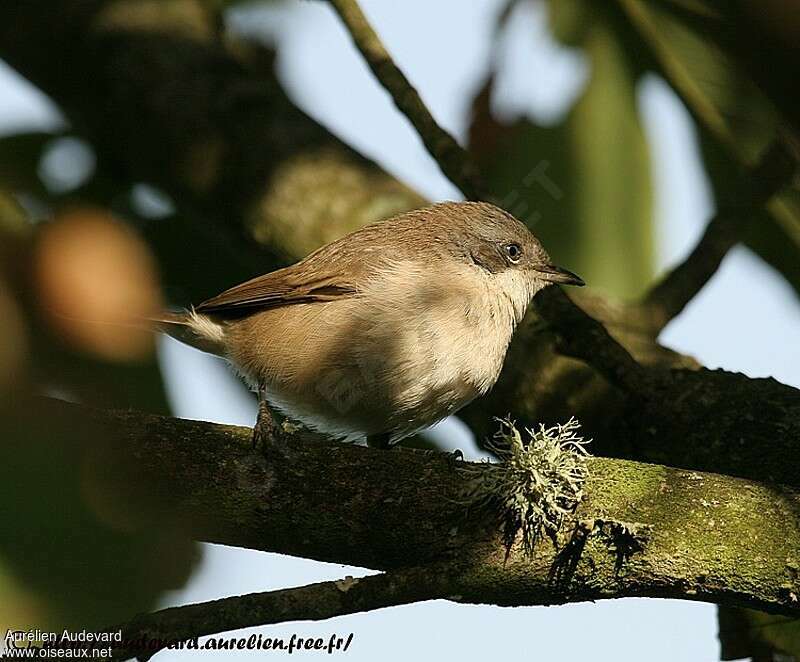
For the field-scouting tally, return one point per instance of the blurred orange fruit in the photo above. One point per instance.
(96, 284)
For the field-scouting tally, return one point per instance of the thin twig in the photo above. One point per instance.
(454, 162)
(147, 634)
(669, 297)
(583, 337)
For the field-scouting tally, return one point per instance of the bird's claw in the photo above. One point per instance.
(268, 435)
(454, 457)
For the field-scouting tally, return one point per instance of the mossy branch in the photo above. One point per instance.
(697, 536)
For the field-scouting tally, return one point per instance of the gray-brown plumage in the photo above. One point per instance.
(387, 330)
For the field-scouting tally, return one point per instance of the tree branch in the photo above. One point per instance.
(453, 160)
(582, 337)
(147, 634)
(641, 530)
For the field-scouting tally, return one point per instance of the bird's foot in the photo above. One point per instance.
(383, 440)
(268, 435)
(454, 457)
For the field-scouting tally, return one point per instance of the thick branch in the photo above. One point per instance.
(709, 537)
(454, 162)
(582, 337)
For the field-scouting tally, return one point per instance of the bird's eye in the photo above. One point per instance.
(513, 252)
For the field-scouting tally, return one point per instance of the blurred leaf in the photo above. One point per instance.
(92, 283)
(571, 20)
(20, 155)
(77, 375)
(750, 118)
(20, 162)
(774, 234)
(745, 633)
(195, 269)
(15, 234)
(761, 37)
(584, 185)
(62, 539)
(96, 284)
(13, 219)
(225, 4)
(19, 608)
(752, 125)
(99, 383)
(708, 8)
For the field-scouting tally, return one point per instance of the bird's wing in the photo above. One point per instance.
(279, 288)
(329, 273)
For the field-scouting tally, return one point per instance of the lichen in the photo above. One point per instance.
(344, 585)
(536, 484)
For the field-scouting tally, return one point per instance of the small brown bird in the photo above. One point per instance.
(385, 331)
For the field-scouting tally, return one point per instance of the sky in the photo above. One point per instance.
(444, 48)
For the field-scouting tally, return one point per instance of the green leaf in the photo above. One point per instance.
(71, 538)
(745, 633)
(752, 123)
(571, 20)
(775, 237)
(750, 119)
(583, 186)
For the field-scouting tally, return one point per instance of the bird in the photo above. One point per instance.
(385, 331)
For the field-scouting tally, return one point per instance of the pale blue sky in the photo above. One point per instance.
(444, 49)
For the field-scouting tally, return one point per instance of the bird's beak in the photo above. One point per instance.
(558, 275)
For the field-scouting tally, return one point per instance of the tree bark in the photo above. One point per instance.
(641, 530)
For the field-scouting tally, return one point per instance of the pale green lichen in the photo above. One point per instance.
(536, 485)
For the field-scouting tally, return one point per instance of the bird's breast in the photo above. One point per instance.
(446, 329)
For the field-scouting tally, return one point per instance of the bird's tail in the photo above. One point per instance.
(193, 329)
